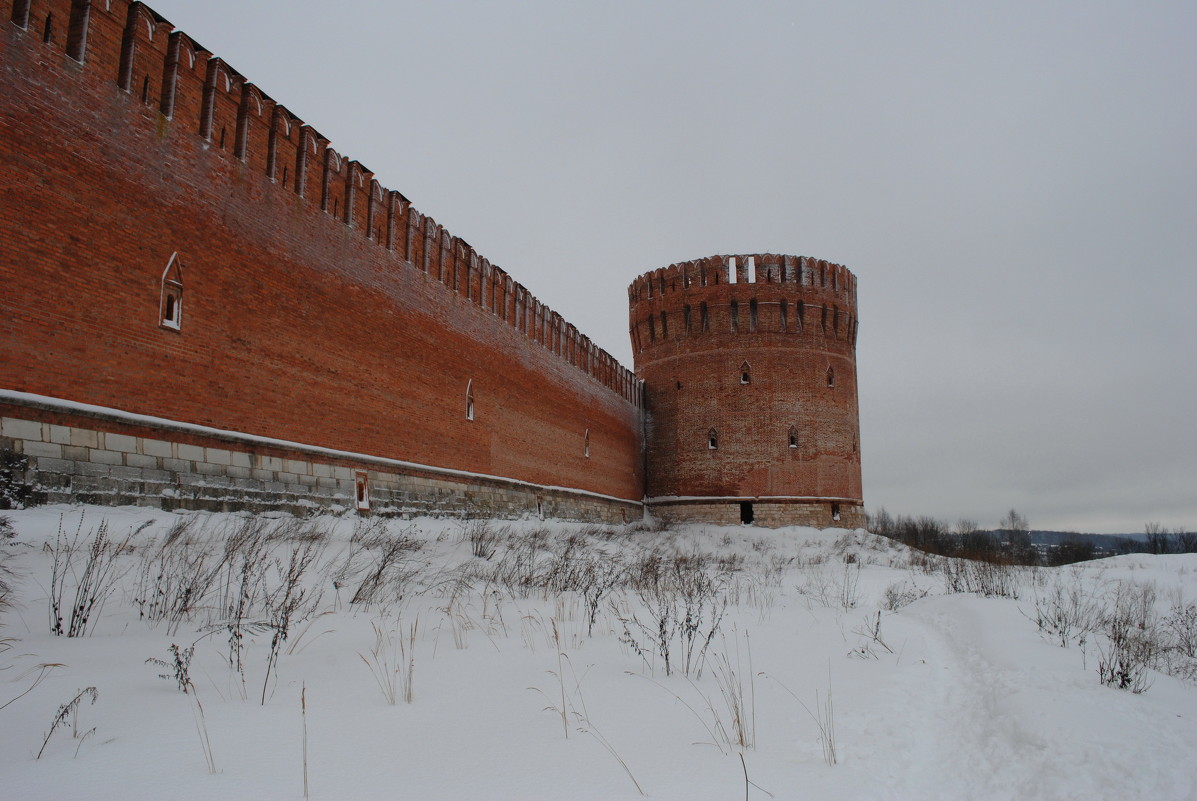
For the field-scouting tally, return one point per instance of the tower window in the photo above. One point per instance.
(586, 444)
(835, 511)
(830, 377)
(362, 487)
(470, 400)
(735, 315)
(713, 439)
(745, 373)
(746, 513)
(793, 436)
(752, 315)
(170, 310)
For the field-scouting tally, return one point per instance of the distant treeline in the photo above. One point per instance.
(1016, 544)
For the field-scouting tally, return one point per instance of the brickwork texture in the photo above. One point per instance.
(178, 245)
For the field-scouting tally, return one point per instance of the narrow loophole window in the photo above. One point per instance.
(48, 29)
(362, 487)
(170, 309)
(470, 400)
(686, 317)
(830, 377)
(712, 439)
(835, 511)
(586, 444)
(745, 373)
(793, 437)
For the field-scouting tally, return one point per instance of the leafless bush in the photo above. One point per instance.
(175, 578)
(91, 570)
(1066, 614)
(179, 666)
(482, 536)
(684, 602)
(1133, 645)
(899, 594)
(388, 577)
(1181, 625)
(990, 579)
(70, 710)
(289, 600)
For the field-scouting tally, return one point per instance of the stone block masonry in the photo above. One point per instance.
(218, 473)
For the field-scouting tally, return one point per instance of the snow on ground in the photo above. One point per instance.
(954, 696)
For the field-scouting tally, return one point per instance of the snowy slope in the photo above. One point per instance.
(955, 696)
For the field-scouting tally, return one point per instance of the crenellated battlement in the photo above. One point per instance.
(185, 90)
(757, 268)
(759, 294)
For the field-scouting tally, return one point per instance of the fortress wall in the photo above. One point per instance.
(318, 307)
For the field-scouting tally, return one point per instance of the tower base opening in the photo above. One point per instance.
(746, 514)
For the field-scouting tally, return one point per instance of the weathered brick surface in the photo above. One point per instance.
(748, 361)
(321, 309)
(318, 307)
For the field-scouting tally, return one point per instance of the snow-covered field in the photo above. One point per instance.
(780, 670)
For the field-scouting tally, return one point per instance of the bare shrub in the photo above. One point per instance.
(1133, 645)
(990, 579)
(388, 577)
(684, 602)
(482, 536)
(899, 594)
(179, 666)
(70, 710)
(90, 570)
(1066, 614)
(1181, 625)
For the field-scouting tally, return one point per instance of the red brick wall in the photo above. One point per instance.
(693, 378)
(297, 322)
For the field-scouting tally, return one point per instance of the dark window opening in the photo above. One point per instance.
(48, 29)
(470, 400)
(145, 90)
(20, 13)
(363, 491)
(835, 511)
(793, 437)
(222, 132)
(745, 373)
(746, 513)
(830, 377)
(712, 439)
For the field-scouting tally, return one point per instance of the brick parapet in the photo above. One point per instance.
(169, 84)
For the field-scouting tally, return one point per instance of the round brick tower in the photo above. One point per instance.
(749, 371)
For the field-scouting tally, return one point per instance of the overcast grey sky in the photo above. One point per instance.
(1014, 184)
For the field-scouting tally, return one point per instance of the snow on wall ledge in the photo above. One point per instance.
(69, 452)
